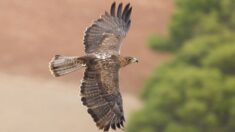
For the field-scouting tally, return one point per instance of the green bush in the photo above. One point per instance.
(195, 90)
(187, 99)
(193, 18)
(200, 47)
(222, 58)
(159, 43)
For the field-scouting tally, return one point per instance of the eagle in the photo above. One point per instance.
(102, 62)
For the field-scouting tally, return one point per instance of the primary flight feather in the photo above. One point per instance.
(102, 61)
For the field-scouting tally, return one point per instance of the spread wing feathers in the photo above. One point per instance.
(106, 33)
(102, 97)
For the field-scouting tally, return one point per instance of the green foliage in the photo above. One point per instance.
(196, 18)
(187, 98)
(195, 90)
(196, 49)
(222, 58)
(159, 43)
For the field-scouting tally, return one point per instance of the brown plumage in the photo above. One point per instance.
(100, 84)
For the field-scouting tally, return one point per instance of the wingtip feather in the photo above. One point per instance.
(119, 12)
(128, 14)
(112, 10)
(125, 10)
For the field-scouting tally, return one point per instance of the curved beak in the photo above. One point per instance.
(135, 60)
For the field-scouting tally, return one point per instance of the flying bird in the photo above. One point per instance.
(102, 62)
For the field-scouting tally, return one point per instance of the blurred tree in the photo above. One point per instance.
(186, 98)
(195, 90)
(157, 42)
(197, 49)
(193, 18)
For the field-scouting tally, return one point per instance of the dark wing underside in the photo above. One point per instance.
(106, 33)
(100, 93)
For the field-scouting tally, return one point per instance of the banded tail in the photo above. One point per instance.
(62, 65)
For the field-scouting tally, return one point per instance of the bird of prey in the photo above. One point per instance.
(102, 61)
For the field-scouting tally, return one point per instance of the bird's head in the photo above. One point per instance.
(129, 60)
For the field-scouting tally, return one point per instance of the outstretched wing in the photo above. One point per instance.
(106, 33)
(100, 93)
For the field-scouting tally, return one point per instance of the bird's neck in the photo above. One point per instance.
(123, 61)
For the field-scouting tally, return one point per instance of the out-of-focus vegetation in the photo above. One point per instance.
(195, 90)
(196, 18)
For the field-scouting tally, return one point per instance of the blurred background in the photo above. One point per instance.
(184, 82)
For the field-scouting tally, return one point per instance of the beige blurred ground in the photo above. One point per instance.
(32, 31)
(29, 105)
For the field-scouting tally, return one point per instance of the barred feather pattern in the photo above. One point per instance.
(100, 93)
(106, 33)
(62, 65)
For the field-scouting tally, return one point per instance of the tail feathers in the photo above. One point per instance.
(62, 65)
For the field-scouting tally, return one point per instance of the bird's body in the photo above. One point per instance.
(102, 62)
